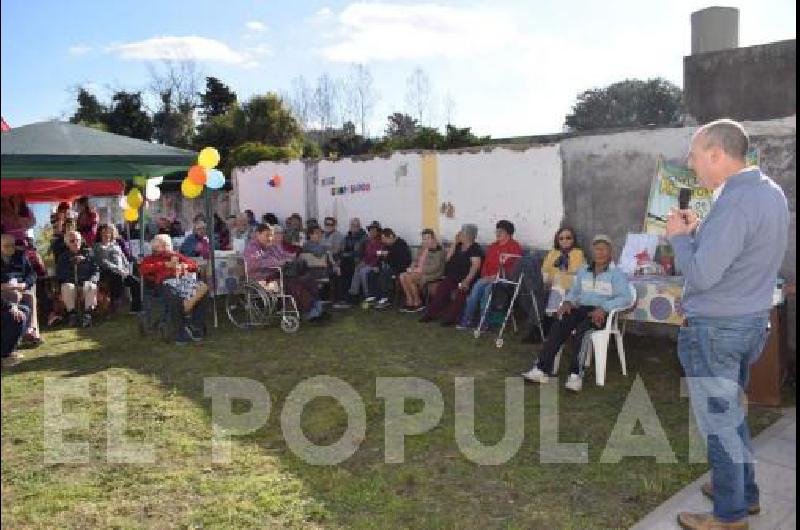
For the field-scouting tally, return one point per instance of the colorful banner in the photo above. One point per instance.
(670, 177)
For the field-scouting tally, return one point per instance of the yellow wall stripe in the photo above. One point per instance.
(430, 192)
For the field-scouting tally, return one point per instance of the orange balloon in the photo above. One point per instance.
(277, 180)
(197, 175)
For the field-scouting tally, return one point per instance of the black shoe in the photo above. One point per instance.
(72, 319)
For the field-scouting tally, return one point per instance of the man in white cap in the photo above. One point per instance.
(599, 287)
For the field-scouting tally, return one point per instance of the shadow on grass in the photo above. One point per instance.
(267, 485)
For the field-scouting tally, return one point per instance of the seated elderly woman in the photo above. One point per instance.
(78, 273)
(265, 254)
(497, 256)
(463, 265)
(427, 267)
(197, 244)
(599, 287)
(177, 273)
(558, 268)
(18, 284)
(115, 269)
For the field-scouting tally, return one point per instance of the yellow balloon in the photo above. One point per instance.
(130, 214)
(189, 189)
(208, 158)
(135, 198)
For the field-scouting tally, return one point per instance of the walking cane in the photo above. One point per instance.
(78, 291)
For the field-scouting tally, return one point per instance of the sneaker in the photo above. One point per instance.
(342, 305)
(406, 309)
(463, 326)
(383, 303)
(574, 383)
(417, 309)
(369, 299)
(534, 375)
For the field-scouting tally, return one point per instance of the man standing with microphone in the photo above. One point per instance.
(730, 262)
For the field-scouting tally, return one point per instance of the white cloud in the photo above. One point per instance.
(373, 32)
(79, 49)
(255, 25)
(182, 48)
(323, 12)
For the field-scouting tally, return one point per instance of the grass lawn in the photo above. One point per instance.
(265, 485)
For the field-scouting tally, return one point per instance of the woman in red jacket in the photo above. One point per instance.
(178, 274)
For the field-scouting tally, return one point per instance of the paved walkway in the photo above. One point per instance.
(776, 474)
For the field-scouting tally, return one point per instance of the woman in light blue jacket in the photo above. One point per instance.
(599, 288)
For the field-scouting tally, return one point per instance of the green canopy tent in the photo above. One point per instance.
(51, 161)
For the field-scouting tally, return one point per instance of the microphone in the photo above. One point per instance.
(684, 196)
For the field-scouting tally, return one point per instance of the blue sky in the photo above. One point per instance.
(509, 67)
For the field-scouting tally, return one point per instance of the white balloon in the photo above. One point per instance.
(155, 181)
(123, 202)
(152, 193)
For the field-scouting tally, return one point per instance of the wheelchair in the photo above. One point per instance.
(252, 304)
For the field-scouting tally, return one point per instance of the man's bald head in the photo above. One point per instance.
(727, 135)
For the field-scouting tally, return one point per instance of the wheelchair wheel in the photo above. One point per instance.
(248, 306)
(290, 324)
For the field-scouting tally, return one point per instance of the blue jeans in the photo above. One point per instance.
(478, 296)
(716, 354)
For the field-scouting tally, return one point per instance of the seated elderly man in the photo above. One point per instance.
(177, 273)
(78, 273)
(395, 259)
(599, 287)
(264, 254)
(18, 284)
(197, 244)
(368, 263)
(15, 318)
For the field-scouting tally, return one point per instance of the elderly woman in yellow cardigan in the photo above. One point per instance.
(558, 269)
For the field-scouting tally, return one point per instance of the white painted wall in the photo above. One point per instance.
(521, 186)
(394, 199)
(252, 187)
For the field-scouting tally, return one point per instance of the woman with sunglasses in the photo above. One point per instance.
(558, 268)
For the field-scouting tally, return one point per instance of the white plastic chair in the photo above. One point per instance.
(599, 341)
(601, 337)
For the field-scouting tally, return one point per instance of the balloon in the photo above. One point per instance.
(277, 180)
(152, 193)
(131, 214)
(135, 198)
(215, 179)
(123, 202)
(208, 157)
(271, 183)
(155, 181)
(140, 181)
(198, 175)
(189, 189)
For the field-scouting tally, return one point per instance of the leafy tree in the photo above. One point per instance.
(268, 120)
(628, 103)
(400, 126)
(173, 126)
(128, 118)
(456, 137)
(216, 100)
(90, 111)
(346, 142)
(251, 153)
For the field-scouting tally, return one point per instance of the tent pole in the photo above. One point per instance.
(212, 265)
